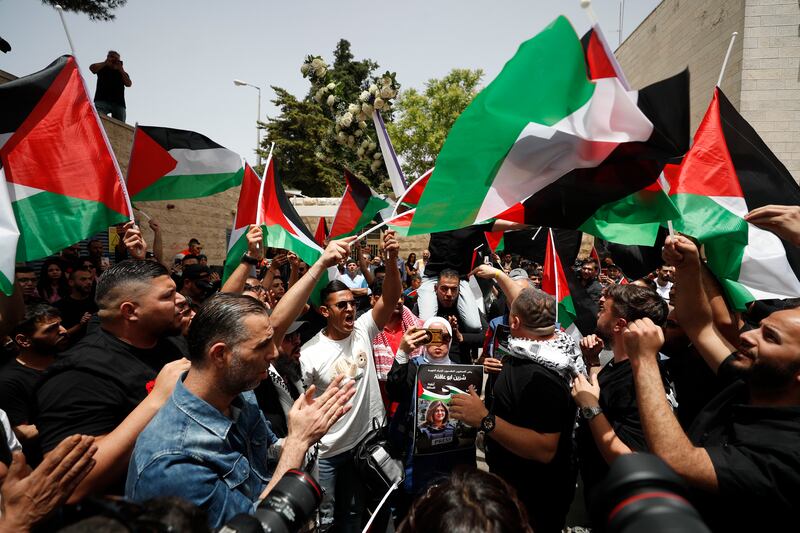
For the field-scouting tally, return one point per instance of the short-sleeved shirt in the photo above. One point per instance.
(755, 451)
(322, 359)
(531, 396)
(17, 385)
(618, 402)
(95, 385)
(110, 86)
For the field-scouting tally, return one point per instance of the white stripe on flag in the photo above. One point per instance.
(209, 161)
(9, 232)
(543, 154)
(396, 176)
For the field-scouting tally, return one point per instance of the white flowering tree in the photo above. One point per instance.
(331, 128)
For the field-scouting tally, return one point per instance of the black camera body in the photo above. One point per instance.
(287, 508)
(641, 494)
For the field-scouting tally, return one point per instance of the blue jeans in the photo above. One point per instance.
(117, 111)
(343, 503)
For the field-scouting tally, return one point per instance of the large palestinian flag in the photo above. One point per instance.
(728, 172)
(358, 207)
(541, 119)
(63, 183)
(171, 164)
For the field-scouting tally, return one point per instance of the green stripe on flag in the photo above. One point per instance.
(632, 220)
(566, 312)
(190, 186)
(6, 285)
(543, 83)
(234, 256)
(50, 222)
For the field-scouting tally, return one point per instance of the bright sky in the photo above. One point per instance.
(183, 55)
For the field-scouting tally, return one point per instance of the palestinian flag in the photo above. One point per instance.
(554, 282)
(359, 206)
(494, 239)
(620, 200)
(63, 183)
(543, 128)
(728, 172)
(245, 217)
(171, 164)
(322, 231)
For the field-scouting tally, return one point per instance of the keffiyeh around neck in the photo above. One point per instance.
(559, 354)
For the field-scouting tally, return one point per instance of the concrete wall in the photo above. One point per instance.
(693, 33)
(770, 96)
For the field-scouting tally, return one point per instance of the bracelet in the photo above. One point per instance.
(249, 259)
(496, 274)
(315, 278)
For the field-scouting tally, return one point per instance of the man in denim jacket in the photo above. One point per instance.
(210, 441)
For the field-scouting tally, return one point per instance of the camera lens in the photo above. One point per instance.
(642, 494)
(290, 504)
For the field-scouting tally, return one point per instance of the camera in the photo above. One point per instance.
(642, 494)
(434, 336)
(287, 508)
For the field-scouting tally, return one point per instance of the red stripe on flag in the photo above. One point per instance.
(707, 169)
(322, 232)
(493, 238)
(248, 198)
(553, 273)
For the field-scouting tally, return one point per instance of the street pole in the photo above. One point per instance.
(258, 130)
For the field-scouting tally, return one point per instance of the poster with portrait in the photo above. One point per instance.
(435, 431)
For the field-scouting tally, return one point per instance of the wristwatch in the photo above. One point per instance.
(590, 412)
(249, 259)
(487, 424)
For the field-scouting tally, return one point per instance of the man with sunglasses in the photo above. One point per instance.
(344, 346)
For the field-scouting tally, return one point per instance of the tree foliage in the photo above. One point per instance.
(96, 9)
(305, 130)
(425, 118)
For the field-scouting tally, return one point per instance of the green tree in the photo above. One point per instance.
(424, 118)
(306, 151)
(298, 132)
(96, 9)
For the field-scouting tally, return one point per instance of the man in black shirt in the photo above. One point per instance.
(588, 279)
(104, 385)
(529, 430)
(743, 452)
(78, 307)
(610, 424)
(109, 97)
(38, 337)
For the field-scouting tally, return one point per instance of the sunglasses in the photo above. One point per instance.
(341, 306)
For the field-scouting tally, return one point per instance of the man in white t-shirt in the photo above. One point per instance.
(344, 346)
(664, 275)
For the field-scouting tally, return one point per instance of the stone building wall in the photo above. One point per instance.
(688, 33)
(770, 98)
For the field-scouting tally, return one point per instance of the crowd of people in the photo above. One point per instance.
(156, 381)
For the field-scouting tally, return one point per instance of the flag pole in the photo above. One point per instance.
(66, 31)
(379, 226)
(727, 56)
(555, 266)
(536, 234)
(586, 5)
(261, 188)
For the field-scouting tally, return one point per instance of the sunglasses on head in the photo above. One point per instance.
(345, 304)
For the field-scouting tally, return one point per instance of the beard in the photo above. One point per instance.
(288, 367)
(239, 377)
(770, 378)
